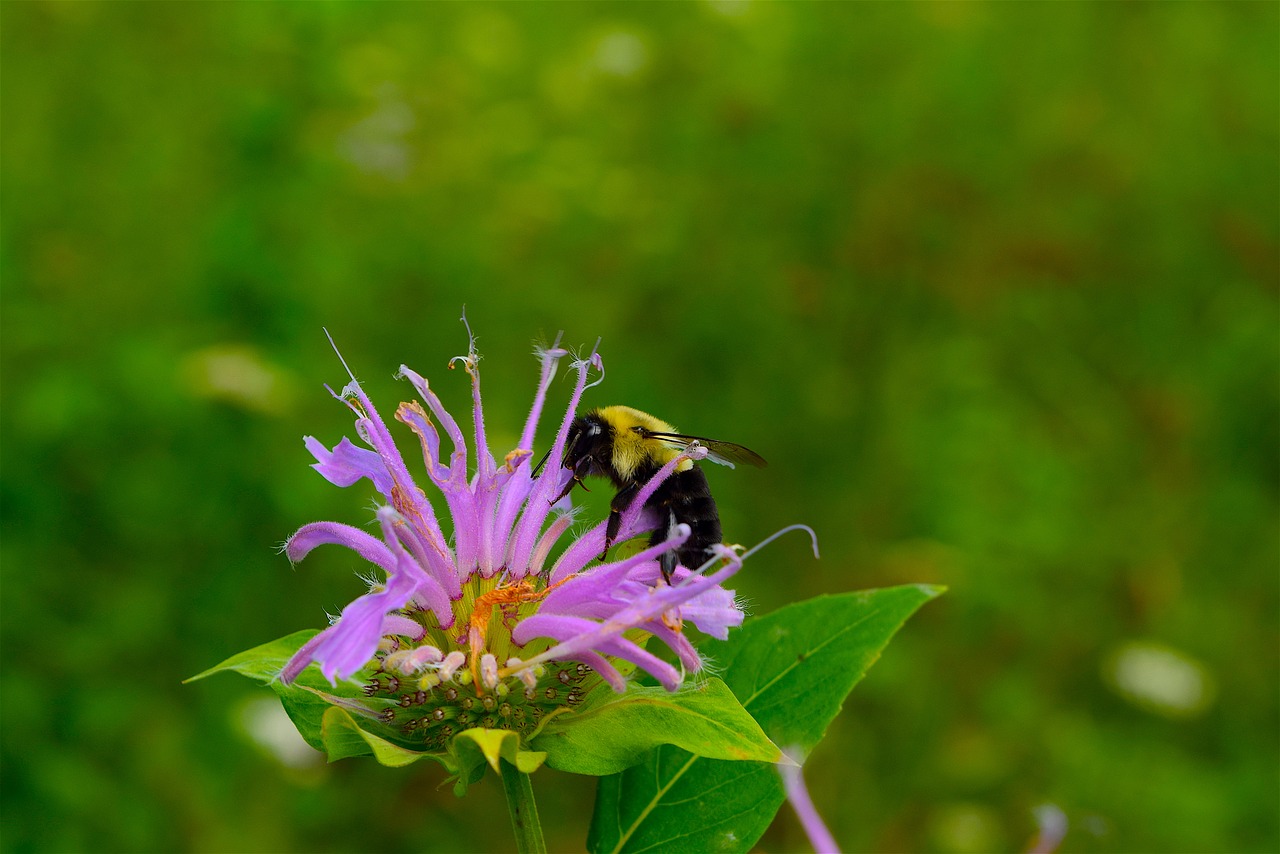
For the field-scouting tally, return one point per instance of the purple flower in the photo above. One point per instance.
(492, 592)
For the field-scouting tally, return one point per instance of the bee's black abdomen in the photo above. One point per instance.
(686, 497)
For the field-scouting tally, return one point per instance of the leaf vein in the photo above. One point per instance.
(653, 802)
(703, 829)
(793, 665)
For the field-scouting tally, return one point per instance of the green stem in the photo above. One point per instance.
(524, 812)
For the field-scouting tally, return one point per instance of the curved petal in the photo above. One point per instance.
(514, 492)
(678, 642)
(577, 637)
(539, 504)
(607, 636)
(714, 611)
(550, 359)
(347, 645)
(395, 624)
(423, 586)
(596, 588)
(305, 655)
(458, 460)
(584, 550)
(346, 464)
(315, 534)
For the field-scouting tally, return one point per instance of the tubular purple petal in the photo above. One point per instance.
(678, 643)
(714, 611)
(315, 534)
(405, 495)
(548, 539)
(580, 552)
(350, 643)
(423, 586)
(434, 557)
(514, 493)
(457, 495)
(628, 617)
(636, 518)
(550, 359)
(631, 516)
(596, 589)
(487, 496)
(484, 458)
(819, 837)
(346, 464)
(586, 547)
(539, 504)
(305, 655)
(394, 624)
(458, 460)
(620, 647)
(412, 414)
(579, 637)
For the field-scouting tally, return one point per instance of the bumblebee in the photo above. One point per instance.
(628, 447)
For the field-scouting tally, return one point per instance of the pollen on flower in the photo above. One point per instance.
(492, 612)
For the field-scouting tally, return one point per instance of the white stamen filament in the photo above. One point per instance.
(451, 663)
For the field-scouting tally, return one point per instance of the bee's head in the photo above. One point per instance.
(589, 438)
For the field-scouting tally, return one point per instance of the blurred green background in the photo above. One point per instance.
(993, 287)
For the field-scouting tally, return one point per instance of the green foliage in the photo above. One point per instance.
(342, 737)
(475, 749)
(263, 663)
(792, 670)
(313, 705)
(612, 731)
(993, 287)
(608, 733)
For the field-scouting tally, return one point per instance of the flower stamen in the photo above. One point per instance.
(508, 598)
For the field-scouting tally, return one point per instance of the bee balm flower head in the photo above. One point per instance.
(475, 623)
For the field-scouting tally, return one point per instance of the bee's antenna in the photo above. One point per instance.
(541, 462)
(567, 451)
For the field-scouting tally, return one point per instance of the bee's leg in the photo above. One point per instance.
(568, 487)
(667, 563)
(584, 467)
(619, 503)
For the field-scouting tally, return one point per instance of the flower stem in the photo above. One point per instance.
(524, 812)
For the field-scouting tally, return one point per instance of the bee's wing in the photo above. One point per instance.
(724, 453)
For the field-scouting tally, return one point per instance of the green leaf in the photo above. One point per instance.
(475, 749)
(343, 737)
(262, 663)
(792, 670)
(310, 703)
(612, 732)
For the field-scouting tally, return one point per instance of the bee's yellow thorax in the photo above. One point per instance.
(631, 450)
